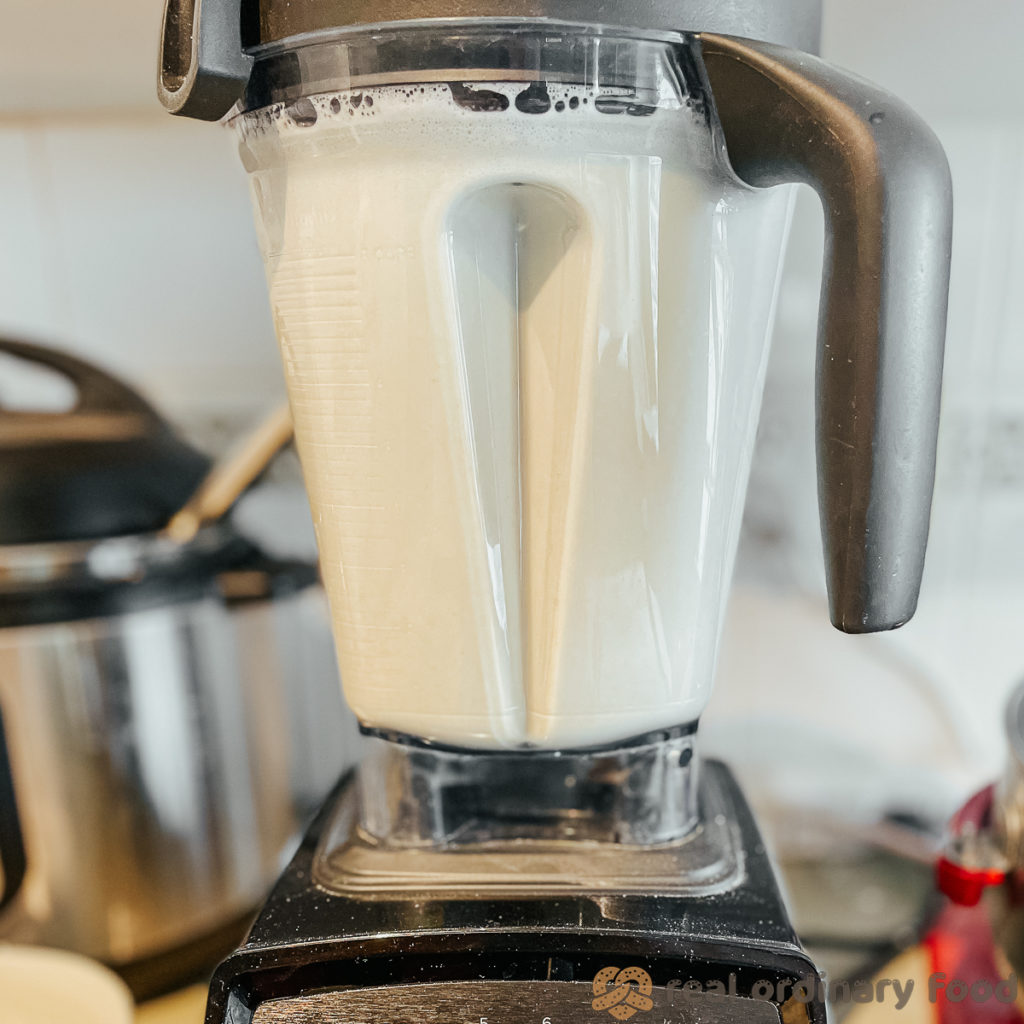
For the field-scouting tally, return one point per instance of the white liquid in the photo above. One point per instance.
(524, 354)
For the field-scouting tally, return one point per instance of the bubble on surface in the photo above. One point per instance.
(534, 99)
(460, 112)
(611, 104)
(302, 112)
(486, 101)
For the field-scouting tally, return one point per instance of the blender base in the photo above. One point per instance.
(665, 953)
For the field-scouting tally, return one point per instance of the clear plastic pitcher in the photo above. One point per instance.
(524, 306)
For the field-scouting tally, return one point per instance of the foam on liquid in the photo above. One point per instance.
(524, 353)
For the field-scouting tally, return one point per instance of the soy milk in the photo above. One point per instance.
(524, 353)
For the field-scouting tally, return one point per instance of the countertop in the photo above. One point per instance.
(184, 1007)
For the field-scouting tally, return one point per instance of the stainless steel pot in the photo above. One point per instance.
(170, 710)
(163, 755)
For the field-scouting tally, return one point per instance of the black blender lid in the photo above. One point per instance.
(109, 466)
(206, 50)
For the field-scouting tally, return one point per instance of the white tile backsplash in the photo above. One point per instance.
(27, 293)
(61, 55)
(130, 240)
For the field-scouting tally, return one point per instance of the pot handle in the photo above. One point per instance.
(884, 184)
(12, 846)
(97, 390)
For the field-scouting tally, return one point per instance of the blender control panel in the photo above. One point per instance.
(517, 1002)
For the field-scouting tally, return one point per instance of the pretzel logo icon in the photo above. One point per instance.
(614, 991)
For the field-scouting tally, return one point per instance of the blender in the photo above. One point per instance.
(522, 260)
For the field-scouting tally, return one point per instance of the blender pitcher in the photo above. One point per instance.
(523, 274)
(522, 260)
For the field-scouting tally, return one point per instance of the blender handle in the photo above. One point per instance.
(203, 68)
(12, 846)
(884, 184)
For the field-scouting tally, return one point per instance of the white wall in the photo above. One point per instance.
(126, 234)
(61, 55)
(129, 239)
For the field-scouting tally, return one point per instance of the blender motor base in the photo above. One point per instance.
(318, 954)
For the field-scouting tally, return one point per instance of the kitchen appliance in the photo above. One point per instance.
(155, 767)
(984, 853)
(522, 262)
(974, 951)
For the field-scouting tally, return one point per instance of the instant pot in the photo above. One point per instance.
(170, 712)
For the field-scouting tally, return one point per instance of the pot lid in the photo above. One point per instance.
(109, 466)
